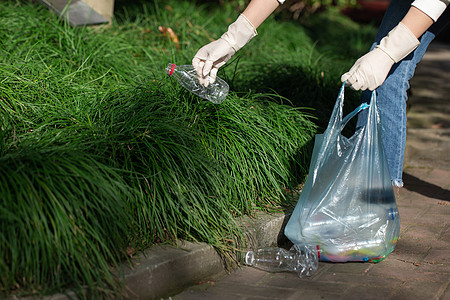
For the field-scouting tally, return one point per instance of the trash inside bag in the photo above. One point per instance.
(347, 207)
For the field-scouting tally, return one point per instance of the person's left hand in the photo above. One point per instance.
(371, 70)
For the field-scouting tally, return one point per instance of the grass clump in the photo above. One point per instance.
(100, 151)
(59, 222)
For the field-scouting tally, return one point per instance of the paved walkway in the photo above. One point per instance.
(419, 267)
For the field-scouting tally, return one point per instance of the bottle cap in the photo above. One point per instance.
(170, 68)
(250, 258)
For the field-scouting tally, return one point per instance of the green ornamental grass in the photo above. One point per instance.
(101, 152)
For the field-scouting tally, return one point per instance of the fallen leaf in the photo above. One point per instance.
(167, 31)
(130, 251)
(211, 282)
(438, 125)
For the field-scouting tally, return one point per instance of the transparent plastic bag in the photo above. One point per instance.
(347, 207)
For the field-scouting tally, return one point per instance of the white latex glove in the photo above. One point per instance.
(214, 55)
(370, 71)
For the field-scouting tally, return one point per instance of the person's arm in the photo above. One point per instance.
(417, 21)
(370, 71)
(433, 8)
(212, 56)
(258, 11)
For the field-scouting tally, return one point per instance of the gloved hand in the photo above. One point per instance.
(211, 57)
(370, 71)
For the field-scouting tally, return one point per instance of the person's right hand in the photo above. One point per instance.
(211, 57)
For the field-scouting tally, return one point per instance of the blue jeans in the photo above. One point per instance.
(392, 94)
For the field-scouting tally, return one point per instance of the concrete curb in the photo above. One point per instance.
(162, 271)
(165, 270)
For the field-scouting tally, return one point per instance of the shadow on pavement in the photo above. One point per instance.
(424, 188)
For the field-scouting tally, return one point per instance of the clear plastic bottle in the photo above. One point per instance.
(300, 258)
(216, 91)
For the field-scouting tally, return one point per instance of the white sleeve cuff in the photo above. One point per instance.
(432, 8)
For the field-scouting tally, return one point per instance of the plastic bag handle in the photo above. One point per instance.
(352, 114)
(337, 123)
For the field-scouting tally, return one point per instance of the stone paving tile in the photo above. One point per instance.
(352, 268)
(361, 281)
(317, 295)
(445, 234)
(413, 204)
(414, 198)
(439, 212)
(436, 267)
(409, 251)
(196, 295)
(440, 178)
(368, 293)
(242, 290)
(439, 255)
(428, 183)
(404, 271)
(423, 233)
(289, 280)
(446, 294)
(248, 275)
(307, 288)
(409, 213)
(417, 290)
(437, 260)
(414, 207)
(410, 245)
